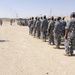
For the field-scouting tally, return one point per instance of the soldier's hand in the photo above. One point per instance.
(65, 37)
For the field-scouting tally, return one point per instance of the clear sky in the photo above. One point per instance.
(29, 8)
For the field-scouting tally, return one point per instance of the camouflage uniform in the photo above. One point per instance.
(41, 33)
(29, 25)
(34, 30)
(38, 24)
(49, 20)
(57, 33)
(50, 32)
(70, 38)
(63, 27)
(44, 28)
(32, 25)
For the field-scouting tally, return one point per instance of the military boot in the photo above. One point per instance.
(57, 47)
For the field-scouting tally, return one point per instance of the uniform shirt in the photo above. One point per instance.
(63, 24)
(32, 23)
(63, 27)
(41, 24)
(71, 27)
(44, 25)
(38, 24)
(51, 26)
(29, 23)
(58, 28)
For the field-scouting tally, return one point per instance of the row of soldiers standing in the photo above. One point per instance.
(54, 30)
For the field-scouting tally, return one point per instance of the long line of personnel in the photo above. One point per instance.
(54, 29)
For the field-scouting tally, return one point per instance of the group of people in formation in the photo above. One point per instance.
(54, 29)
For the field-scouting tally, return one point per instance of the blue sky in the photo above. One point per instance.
(29, 8)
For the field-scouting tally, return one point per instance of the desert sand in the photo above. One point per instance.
(22, 54)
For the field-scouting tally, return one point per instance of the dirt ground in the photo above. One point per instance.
(22, 54)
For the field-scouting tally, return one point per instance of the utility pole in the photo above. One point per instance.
(50, 12)
(40, 15)
(16, 15)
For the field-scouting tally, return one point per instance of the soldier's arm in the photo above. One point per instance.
(67, 29)
(66, 33)
(49, 26)
(41, 25)
(55, 27)
(36, 25)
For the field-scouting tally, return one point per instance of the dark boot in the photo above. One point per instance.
(57, 47)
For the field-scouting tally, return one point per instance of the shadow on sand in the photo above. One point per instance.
(4, 40)
(62, 48)
(72, 55)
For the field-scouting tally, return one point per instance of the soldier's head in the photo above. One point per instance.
(38, 18)
(49, 18)
(32, 18)
(52, 18)
(58, 18)
(35, 18)
(72, 15)
(45, 17)
(41, 17)
(63, 18)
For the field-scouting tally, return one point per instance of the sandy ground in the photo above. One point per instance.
(21, 54)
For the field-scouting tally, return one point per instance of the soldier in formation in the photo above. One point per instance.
(56, 28)
(50, 30)
(57, 33)
(44, 27)
(34, 30)
(70, 35)
(38, 25)
(31, 25)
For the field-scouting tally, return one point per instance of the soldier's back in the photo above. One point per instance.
(38, 24)
(45, 24)
(72, 28)
(58, 28)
